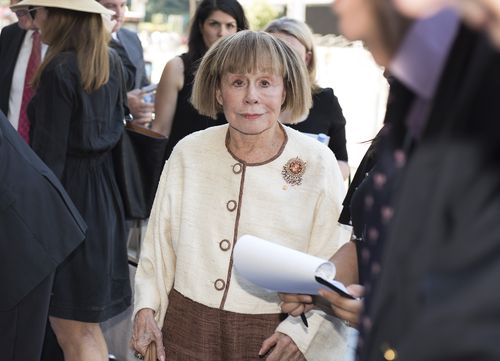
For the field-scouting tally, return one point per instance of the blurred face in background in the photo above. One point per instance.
(25, 21)
(40, 17)
(356, 18)
(119, 7)
(375, 22)
(296, 45)
(216, 26)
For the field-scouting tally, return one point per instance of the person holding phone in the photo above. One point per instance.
(140, 109)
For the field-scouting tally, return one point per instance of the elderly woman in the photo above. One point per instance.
(251, 176)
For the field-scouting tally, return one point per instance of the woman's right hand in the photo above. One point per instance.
(345, 308)
(294, 304)
(145, 331)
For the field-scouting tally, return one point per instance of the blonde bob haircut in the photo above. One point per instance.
(250, 52)
(300, 31)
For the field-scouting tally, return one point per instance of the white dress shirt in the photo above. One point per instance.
(17, 87)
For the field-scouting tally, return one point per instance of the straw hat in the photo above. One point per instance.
(86, 6)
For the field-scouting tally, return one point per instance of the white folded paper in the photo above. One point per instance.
(279, 268)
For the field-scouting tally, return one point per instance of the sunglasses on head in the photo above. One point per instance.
(24, 12)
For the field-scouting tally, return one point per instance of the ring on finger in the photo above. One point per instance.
(347, 323)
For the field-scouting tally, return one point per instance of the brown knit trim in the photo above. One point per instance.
(235, 236)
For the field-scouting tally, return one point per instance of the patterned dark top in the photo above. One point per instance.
(187, 120)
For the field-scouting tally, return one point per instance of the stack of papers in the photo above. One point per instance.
(282, 269)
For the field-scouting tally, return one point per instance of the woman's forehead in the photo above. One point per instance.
(253, 71)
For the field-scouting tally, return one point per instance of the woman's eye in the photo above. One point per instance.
(238, 83)
(265, 83)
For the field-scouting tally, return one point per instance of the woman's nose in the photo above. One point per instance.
(251, 95)
(223, 31)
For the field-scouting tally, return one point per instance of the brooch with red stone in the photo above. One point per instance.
(293, 171)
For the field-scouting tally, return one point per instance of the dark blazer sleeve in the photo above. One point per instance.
(437, 298)
(39, 225)
(133, 47)
(128, 68)
(11, 39)
(459, 289)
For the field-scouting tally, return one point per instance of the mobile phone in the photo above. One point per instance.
(335, 286)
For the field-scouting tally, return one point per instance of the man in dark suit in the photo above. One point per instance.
(11, 38)
(39, 228)
(140, 110)
(437, 297)
(15, 47)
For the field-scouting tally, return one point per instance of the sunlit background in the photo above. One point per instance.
(346, 67)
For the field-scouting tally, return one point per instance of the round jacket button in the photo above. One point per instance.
(390, 354)
(225, 245)
(219, 284)
(231, 205)
(237, 168)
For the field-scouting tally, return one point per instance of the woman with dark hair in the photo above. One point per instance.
(175, 117)
(77, 119)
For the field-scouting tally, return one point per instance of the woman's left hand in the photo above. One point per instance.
(344, 308)
(280, 347)
(145, 330)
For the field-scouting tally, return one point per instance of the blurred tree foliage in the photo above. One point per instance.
(177, 7)
(260, 12)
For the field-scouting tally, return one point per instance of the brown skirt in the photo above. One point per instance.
(194, 332)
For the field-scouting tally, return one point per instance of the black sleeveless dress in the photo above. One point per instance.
(187, 120)
(326, 117)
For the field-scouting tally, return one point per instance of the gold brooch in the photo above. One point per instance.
(293, 171)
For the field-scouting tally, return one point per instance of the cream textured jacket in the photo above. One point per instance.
(207, 198)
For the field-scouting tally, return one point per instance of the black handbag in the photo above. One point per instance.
(138, 159)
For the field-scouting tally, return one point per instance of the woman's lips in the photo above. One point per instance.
(251, 116)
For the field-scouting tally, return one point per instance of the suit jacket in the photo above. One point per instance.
(11, 39)
(39, 225)
(132, 44)
(437, 297)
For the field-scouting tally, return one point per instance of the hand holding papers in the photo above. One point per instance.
(282, 269)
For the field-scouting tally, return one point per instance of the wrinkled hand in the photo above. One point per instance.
(294, 304)
(140, 110)
(145, 330)
(345, 308)
(280, 347)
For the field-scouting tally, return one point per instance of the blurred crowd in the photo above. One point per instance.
(254, 144)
